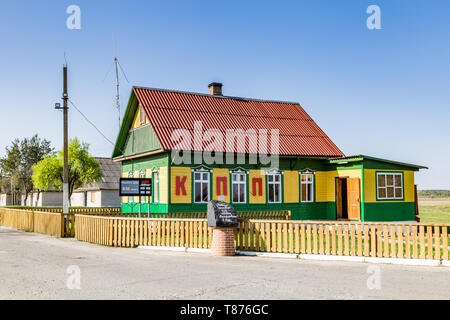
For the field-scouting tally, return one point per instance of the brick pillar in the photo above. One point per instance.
(223, 242)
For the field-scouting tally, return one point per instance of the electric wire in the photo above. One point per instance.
(91, 123)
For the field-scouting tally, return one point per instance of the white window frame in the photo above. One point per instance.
(274, 183)
(130, 198)
(155, 183)
(142, 116)
(306, 182)
(202, 181)
(239, 184)
(389, 186)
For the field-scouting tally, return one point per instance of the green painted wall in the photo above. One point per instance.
(373, 164)
(385, 211)
(149, 162)
(154, 208)
(141, 140)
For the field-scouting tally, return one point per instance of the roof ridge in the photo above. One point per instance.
(212, 96)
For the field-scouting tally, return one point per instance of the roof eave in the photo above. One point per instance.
(138, 155)
(363, 157)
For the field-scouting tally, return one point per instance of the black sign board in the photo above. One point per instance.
(135, 187)
(145, 187)
(221, 214)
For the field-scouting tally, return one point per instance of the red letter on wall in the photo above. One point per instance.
(222, 181)
(259, 182)
(180, 185)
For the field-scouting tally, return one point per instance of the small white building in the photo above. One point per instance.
(104, 193)
(6, 200)
(47, 198)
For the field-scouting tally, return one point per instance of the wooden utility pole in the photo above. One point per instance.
(66, 148)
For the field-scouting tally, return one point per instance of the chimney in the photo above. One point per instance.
(215, 89)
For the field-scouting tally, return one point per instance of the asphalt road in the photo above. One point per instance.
(34, 266)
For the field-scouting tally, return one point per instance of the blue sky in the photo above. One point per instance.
(383, 92)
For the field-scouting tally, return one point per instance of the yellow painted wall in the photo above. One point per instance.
(326, 185)
(137, 120)
(164, 185)
(291, 185)
(124, 175)
(225, 173)
(370, 185)
(257, 174)
(180, 171)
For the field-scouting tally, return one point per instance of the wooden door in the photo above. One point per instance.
(354, 199)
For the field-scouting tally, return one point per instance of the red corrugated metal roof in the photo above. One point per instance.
(170, 110)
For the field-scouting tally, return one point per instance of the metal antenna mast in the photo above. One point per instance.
(116, 62)
(119, 69)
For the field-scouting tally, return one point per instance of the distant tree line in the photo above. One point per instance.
(433, 193)
(32, 164)
(16, 167)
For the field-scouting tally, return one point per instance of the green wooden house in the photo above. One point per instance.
(312, 177)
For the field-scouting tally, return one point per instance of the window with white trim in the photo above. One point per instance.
(239, 187)
(274, 186)
(307, 187)
(142, 116)
(201, 187)
(389, 186)
(155, 182)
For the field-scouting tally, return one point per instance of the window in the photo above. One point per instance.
(239, 187)
(92, 197)
(155, 183)
(201, 187)
(142, 115)
(307, 187)
(274, 186)
(389, 186)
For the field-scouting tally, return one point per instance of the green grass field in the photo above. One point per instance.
(434, 210)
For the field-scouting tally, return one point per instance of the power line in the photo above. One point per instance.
(91, 123)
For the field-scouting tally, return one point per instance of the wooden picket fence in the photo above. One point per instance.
(266, 215)
(364, 239)
(395, 240)
(74, 210)
(49, 223)
(54, 223)
(19, 219)
(49, 220)
(132, 232)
